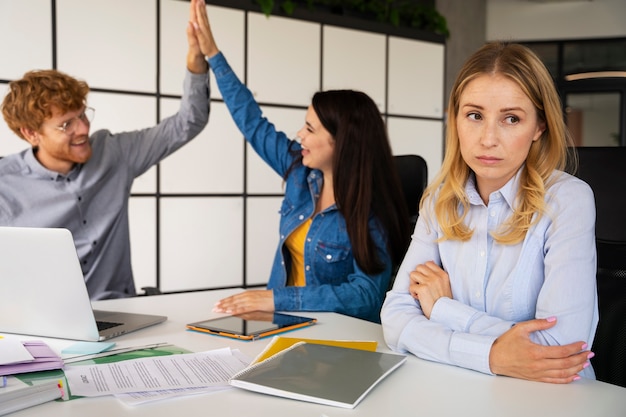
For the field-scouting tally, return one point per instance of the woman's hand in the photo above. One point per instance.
(429, 282)
(514, 354)
(245, 302)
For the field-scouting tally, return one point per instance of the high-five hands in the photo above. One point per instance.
(201, 28)
(196, 62)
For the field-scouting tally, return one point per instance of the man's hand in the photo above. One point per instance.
(196, 62)
(514, 354)
(245, 302)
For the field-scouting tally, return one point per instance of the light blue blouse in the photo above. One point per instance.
(551, 273)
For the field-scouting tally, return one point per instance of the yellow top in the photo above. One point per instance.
(295, 244)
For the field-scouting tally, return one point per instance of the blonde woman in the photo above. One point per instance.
(500, 273)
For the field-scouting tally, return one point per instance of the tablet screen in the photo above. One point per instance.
(251, 325)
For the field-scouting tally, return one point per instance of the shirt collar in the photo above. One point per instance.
(35, 166)
(508, 192)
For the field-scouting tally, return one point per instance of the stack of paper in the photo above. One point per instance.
(30, 356)
(156, 373)
(18, 395)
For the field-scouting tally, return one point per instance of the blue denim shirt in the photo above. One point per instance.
(334, 281)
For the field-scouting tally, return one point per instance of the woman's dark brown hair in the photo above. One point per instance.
(365, 180)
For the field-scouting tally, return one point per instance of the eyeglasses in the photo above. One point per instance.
(71, 125)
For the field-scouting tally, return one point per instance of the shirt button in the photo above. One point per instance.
(300, 217)
(282, 236)
(329, 257)
(84, 221)
(308, 239)
(493, 213)
(482, 253)
(477, 294)
(308, 268)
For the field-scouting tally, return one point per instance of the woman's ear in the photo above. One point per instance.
(30, 135)
(540, 129)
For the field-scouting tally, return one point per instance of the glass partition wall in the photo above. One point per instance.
(591, 78)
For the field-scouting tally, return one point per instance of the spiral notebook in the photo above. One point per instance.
(323, 374)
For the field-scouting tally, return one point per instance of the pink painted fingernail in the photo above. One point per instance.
(583, 347)
(576, 378)
(551, 319)
(586, 365)
(591, 355)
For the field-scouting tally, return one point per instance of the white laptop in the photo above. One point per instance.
(43, 292)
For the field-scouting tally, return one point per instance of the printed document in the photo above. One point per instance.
(191, 370)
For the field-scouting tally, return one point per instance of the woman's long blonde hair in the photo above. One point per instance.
(547, 154)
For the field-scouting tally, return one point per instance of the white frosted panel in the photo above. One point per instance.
(201, 243)
(110, 43)
(25, 37)
(210, 163)
(142, 218)
(121, 113)
(261, 237)
(420, 137)
(9, 141)
(416, 77)
(355, 60)
(173, 38)
(283, 59)
(228, 29)
(261, 178)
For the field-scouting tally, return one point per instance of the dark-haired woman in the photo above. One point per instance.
(343, 222)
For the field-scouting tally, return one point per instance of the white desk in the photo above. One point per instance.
(417, 388)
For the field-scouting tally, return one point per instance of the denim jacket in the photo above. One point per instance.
(334, 281)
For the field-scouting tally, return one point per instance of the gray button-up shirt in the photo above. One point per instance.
(92, 199)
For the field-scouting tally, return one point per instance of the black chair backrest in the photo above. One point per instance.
(604, 169)
(413, 172)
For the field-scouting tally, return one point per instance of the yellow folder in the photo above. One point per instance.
(279, 343)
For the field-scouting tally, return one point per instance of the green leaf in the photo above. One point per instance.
(267, 6)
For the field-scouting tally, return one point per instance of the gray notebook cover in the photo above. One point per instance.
(330, 375)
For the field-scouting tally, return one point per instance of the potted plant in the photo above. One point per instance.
(399, 13)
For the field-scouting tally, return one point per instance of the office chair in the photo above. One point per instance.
(604, 169)
(413, 173)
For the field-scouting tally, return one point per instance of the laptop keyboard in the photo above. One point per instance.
(103, 325)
